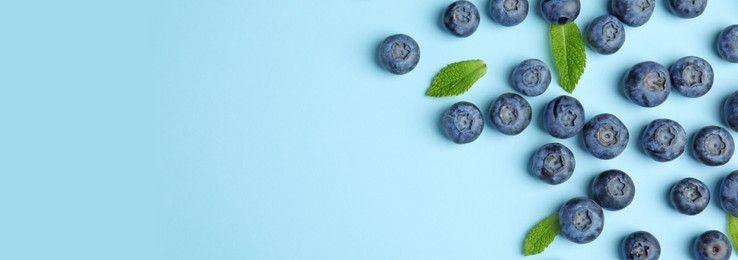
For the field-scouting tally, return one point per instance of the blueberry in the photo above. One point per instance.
(690, 196)
(641, 245)
(647, 84)
(463, 122)
(553, 163)
(613, 190)
(730, 111)
(560, 12)
(712, 245)
(713, 146)
(687, 8)
(606, 34)
(531, 77)
(729, 193)
(563, 117)
(605, 136)
(727, 43)
(461, 18)
(399, 54)
(508, 12)
(510, 113)
(664, 140)
(691, 76)
(581, 220)
(633, 12)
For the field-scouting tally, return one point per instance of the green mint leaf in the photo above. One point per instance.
(456, 78)
(569, 54)
(733, 229)
(542, 235)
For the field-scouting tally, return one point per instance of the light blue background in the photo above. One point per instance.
(266, 130)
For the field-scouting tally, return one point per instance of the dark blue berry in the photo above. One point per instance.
(563, 117)
(664, 140)
(691, 76)
(461, 18)
(729, 193)
(730, 111)
(606, 34)
(727, 43)
(613, 190)
(510, 113)
(531, 77)
(690, 196)
(641, 245)
(647, 84)
(713, 146)
(553, 163)
(560, 12)
(605, 136)
(687, 8)
(399, 54)
(463, 122)
(712, 245)
(508, 12)
(633, 12)
(581, 220)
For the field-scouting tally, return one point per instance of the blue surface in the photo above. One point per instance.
(267, 130)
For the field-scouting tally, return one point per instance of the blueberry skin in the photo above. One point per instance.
(399, 54)
(563, 117)
(633, 12)
(727, 43)
(581, 220)
(553, 163)
(510, 113)
(647, 84)
(531, 77)
(560, 12)
(606, 34)
(713, 146)
(613, 190)
(664, 140)
(712, 245)
(508, 12)
(730, 111)
(640, 245)
(691, 76)
(729, 193)
(690, 196)
(687, 8)
(461, 18)
(605, 136)
(463, 122)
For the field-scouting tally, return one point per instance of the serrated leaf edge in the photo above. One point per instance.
(567, 80)
(548, 229)
(443, 91)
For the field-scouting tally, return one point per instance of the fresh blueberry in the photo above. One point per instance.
(713, 146)
(687, 8)
(605, 136)
(399, 54)
(664, 140)
(553, 163)
(531, 77)
(730, 111)
(633, 12)
(560, 12)
(712, 245)
(463, 122)
(581, 220)
(510, 113)
(647, 84)
(691, 76)
(508, 12)
(563, 117)
(727, 43)
(613, 190)
(606, 34)
(729, 193)
(461, 18)
(641, 245)
(690, 196)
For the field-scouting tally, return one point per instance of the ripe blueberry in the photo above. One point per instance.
(461, 18)
(510, 113)
(664, 140)
(730, 111)
(729, 193)
(613, 190)
(691, 76)
(606, 34)
(560, 12)
(531, 77)
(581, 220)
(687, 8)
(713, 146)
(727, 43)
(633, 12)
(563, 117)
(690, 196)
(508, 12)
(463, 122)
(553, 163)
(399, 54)
(605, 136)
(641, 245)
(712, 245)
(647, 84)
